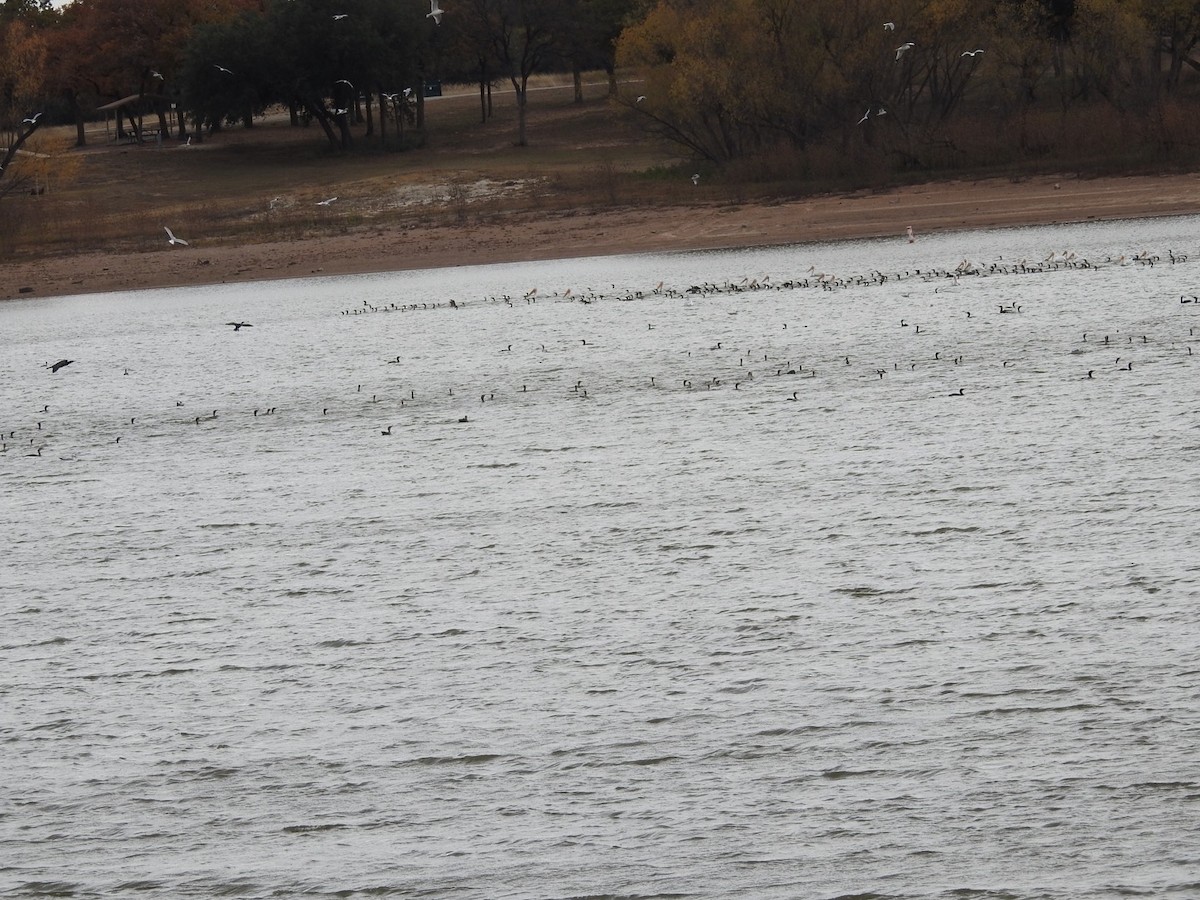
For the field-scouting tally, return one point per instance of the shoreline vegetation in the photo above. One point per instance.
(590, 183)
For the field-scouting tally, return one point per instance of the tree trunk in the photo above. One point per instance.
(72, 99)
(612, 80)
(577, 81)
(382, 117)
(370, 114)
(316, 110)
(522, 93)
(293, 113)
(12, 151)
(420, 89)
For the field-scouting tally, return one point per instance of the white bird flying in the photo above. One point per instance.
(222, 69)
(31, 120)
(171, 239)
(326, 202)
(903, 48)
(889, 26)
(696, 178)
(340, 16)
(435, 12)
(971, 52)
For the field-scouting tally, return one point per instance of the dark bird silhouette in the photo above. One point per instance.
(62, 362)
(238, 326)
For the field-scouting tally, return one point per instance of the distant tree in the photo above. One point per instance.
(302, 53)
(232, 71)
(521, 34)
(68, 75)
(116, 48)
(470, 53)
(1109, 54)
(728, 79)
(1175, 29)
(22, 74)
(587, 37)
(31, 12)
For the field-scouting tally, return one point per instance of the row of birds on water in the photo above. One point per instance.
(811, 279)
(720, 365)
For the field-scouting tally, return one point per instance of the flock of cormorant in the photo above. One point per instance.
(754, 367)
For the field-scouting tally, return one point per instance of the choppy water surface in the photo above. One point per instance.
(659, 619)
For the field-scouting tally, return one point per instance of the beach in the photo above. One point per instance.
(522, 236)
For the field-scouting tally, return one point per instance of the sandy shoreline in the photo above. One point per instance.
(952, 206)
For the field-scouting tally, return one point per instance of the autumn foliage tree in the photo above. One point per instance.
(22, 74)
(904, 84)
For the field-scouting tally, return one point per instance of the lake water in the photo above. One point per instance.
(659, 619)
